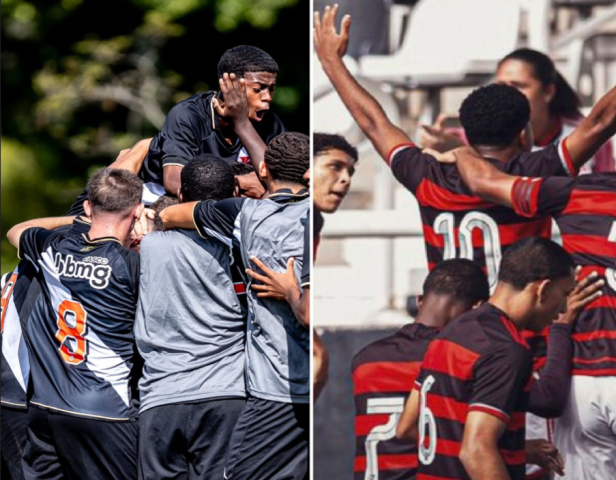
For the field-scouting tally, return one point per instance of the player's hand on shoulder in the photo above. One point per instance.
(144, 226)
(249, 186)
(328, 42)
(235, 105)
(274, 285)
(586, 291)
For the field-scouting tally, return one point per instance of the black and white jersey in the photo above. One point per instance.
(80, 339)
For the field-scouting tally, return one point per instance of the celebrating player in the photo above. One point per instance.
(384, 372)
(81, 420)
(270, 439)
(585, 211)
(195, 126)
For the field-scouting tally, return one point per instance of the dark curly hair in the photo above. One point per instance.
(287, 158)
(462, 279)
(207, 177)
(565, 102)
(246, 58)
(324, 142)
(240, 169)
(494, 115)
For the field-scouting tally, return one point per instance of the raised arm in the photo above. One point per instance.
(596, 129)
(330, 47)
(132, 158)
(15, 233)
(179, 216)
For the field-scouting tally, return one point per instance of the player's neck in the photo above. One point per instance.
(274, 187)
(512, 303)
(437, 311)
(545, 127)
(502, 154)
(110, 227)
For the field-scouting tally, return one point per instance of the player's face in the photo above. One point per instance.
(333, 170)
(260, 88)
(519, 74)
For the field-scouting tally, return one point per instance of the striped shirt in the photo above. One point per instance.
(480, 362)
(383, 376)
(585, 211)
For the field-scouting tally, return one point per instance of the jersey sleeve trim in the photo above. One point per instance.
(173, 164)
(490, 410)
(565, 157)
(195, 221)
(525, 195)
(397, 149)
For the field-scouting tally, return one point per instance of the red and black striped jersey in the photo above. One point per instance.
(585, 212)
(457, 224)
(479, 362)
(383, 376)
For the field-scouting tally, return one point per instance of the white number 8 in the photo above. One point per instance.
(426, 423)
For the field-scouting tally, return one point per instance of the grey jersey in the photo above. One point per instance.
(190, 325)
(277, 345)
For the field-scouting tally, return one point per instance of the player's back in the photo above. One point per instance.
(479, 362)
(383, 376)
(457, 224)
(81, 338)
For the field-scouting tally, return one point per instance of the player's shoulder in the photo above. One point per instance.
(198, 104)
(597, 181)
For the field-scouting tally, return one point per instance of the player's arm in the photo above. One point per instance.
(132, 158)
(549, 394)
(172, 178)
(235, 110)
(407, 427)
(178, 216)
(320, 361)
(479, 451)
(596, 129)
(330, 47)
(15, 233)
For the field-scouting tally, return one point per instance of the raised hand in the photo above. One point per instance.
(328, 43)
(585, 292)
(235, 105)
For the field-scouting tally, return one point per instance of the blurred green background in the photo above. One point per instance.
(83, 79)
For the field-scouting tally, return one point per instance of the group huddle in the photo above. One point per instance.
(161, 328)
(509, 370)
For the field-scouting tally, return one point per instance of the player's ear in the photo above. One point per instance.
(543, 290)
(526, 138)
(419, 300)
(236, 187)
(549, 92)
(263, 172)
(87, 207)
(478, 304)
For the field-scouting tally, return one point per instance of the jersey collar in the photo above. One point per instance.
(86, 237)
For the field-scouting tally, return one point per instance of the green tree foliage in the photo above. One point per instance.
(82, 79)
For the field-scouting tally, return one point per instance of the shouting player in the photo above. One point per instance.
(195, 126)
(82, 415)
(585, 211)
(384, 372)
(270, 439)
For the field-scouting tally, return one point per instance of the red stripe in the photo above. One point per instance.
(604, 372)
(604, 301)
(593, 360)
(567, 156)
(514, 332)
(385, 377)
(365, 423)
(239, 288)
(451, 359)
(407, 144)
(389, 462)
(591, 202)
(600, 334)
(590, 244)
(447, 408)
(429, 194)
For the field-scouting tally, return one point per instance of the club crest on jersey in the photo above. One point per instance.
(93, 269)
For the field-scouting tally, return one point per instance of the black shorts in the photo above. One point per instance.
(14, 430)
(187, 440)
(69, 447)
(270, 441)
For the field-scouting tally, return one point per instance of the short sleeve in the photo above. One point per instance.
(421, 376)
(532, 197)
(553, 160)
(133, 265)
(409, 165)
(306, 266)
(500, 375)
(219, 220)
(32, 243)
(180, 136)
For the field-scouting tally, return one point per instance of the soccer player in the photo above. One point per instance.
(585, 211)
(495, 119)
(82, 414)
(384, 372)
(471, 395)
(190, 331)
(270, 439)
(195, 125)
